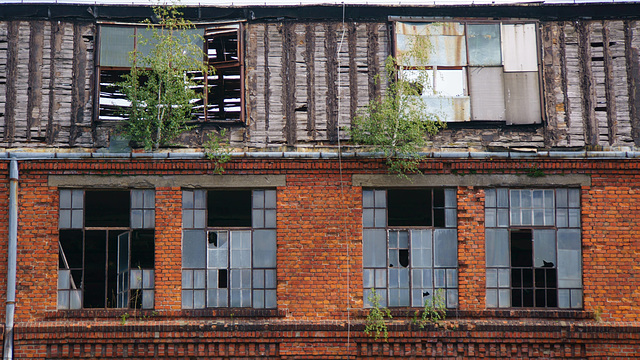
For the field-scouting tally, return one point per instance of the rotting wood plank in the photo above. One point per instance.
(309, 56)
(78, 81)
(586, 83)
(372, 60)
(267, 77)
(352, 39)
(13, 30)
(632, 56)
(549, 85)
(610, 92)
(288, 82)
(56, 44)
(331, 55)
(34, 102)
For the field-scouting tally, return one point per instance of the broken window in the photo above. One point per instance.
(106, 249)
(410, 246)
(533, 248)
(485, 71)
(221, 90)
(229, 248)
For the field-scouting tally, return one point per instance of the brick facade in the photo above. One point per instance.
(319, 272)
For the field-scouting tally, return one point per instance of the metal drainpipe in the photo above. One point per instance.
(11, 259)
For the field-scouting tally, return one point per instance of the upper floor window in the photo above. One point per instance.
(221, 90)
(409, 245)
(106, 249)
(533, 248)
(485, 71)
(229, 248)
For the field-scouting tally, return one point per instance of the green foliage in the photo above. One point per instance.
(217, 150)
(160, 84)
(434, 310)
(375, 322)
(123, 318)
(535, 172)
(397, 123)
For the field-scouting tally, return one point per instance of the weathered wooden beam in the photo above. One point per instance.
(77, 84)
(13, 30)
(586, 84)
(632, 55)
(289, 82)
(331, 54)
(372, 60)
(563, 77)
(352, 38)
(309, 58)
(34, 101)
(610, 92)
(267, 79)
(56, 46)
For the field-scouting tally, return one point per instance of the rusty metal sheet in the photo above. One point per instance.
(519, 47)
(486, 89)
(446, 43)
(522, 98)
(449, 109)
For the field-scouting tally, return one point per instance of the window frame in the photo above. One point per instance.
(499, 276)
(205, 288)
(373, 273)
(199, 116)
(466, 68)
(71, 218)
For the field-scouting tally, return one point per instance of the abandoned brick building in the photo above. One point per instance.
(525, 214)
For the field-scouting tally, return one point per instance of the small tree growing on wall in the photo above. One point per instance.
(397, 123)
(160, 85)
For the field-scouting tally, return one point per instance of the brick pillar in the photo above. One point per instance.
(168, 253)
(471, 250)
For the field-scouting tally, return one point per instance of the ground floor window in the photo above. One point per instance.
(229, 249)
(410, 250)
(533, 248)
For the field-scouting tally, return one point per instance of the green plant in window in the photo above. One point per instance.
(434, 310)
(160, 86)
(397, 123)
(375, 324)
(217, 150)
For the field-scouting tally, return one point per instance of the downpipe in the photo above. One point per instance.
(11, 259)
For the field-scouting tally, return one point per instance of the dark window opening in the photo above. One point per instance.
(109, 267)
(220, 91)
(229, 208)
(107, 208)
(409, 207)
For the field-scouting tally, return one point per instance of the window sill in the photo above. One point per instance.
(165, 314)
(496, 314)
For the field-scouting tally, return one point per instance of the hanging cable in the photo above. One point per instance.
(343, 202)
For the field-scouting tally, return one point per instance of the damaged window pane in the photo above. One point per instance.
(96, 262)
(221, 94)
(399, 259)
(235, 250)
(498, 61)
(539, 265)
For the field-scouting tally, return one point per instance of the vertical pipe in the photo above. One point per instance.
(11, 259)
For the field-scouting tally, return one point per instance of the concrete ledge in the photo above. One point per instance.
(480, 180)
(152, 181)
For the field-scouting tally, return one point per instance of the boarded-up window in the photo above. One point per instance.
(221, 89)
(482, 71)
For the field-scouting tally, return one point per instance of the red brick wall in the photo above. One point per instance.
(317, 221)
(319, 246)
(168, 256)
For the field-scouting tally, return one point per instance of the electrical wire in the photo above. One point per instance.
(343, 202)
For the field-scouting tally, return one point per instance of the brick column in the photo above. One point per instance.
(168, 253)
(471, 250)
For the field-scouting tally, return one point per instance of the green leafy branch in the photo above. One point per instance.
(397, 123)
(216, 148)
(160, 86)
(375, 323)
